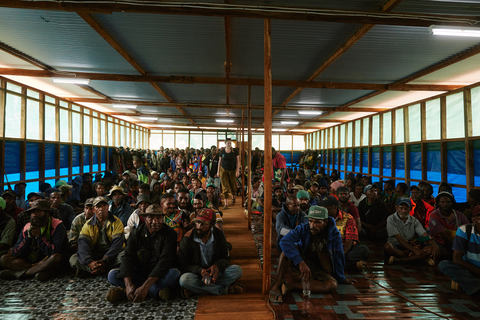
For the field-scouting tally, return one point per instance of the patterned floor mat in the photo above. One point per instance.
(67, 297)
(367, 299)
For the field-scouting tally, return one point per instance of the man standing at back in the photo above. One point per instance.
(279, 164)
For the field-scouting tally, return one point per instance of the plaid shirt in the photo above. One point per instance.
(77, 226)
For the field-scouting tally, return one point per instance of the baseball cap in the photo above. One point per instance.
(153, 210)
(205, 215)
(89, 202)
(328, 201)
(404, 200)
(99, 200)
(3, 204)
(317, 212)
(303, 194)
(368, 187)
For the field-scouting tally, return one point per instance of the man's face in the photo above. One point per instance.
(177, 187)
(182, 200)
(403, 211)
(137, 164)
(343, 197)
(210, 191)
(416, 194)
(39, 218)
(303, 204)
(202, 229)
(358, 189)
(428, 191)
(88, 211)
(323, 190)
(21, 190)
(144, 191)
(388, 187)
(365, 180)
(10, 201)
(372, 193)
(100, 190)
(442, 188)
(156, 176)
(154, 222)
(134, 190)
(278, 193)
(33, 199)
(349, 184)
(55, 199)
(88, 179)
(185, 181)
(117, 197)
(317, 225)
(314, 188)
(293, 207)
(197, 204)
(101, 211)
(156, 188)
(445, 204)
(332, 210)
(143, 206)
(198, 184)
(168, 206)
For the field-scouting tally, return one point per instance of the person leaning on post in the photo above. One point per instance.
(147, 265)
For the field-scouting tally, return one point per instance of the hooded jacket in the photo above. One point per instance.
(284, 223)
(300, 238)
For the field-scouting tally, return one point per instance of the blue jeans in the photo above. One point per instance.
(193, 282)
(139, 277)
(469, 282)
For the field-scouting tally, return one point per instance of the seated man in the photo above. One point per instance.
(355, 254)
(198, 205)
(65, 211)
(118, 206)
(147, 265)
(444, 222)
(41, 247)
(145, 190)
(214, 202)
(143, 202)
(78, 223)
(465, 268)
(407, 239)
(205, 261)
(101, 242)
(174, 218)
(10, 204)
(373, 215)
(345, 205)
(183, 200)
(316, 250)
(290, 216)
(421, 210)
(7, 229)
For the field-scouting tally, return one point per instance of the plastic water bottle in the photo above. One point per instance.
(306, 287)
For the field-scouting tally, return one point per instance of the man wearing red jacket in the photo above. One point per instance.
(40, 248)
(420, 208)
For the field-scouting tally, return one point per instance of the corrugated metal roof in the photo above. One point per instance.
(158, 110)
(60, 39)
(326, 97)
(328, 4)
(238, 95)
(170, 44)
(467, 7)
(127, 90)
(196, 93)
(389, 53)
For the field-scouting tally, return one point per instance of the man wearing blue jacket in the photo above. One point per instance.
(289, 217)
(316, 250)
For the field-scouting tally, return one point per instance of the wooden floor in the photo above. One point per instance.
(251, 304)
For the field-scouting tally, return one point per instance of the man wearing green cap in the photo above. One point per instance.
(7, 229)
(316, 250)
(289, 217)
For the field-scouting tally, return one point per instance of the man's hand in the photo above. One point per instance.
(130, 290)
(140, 294)
(213, 272)
(434, 252)
(305, 272)
(35, 232)
(237, 173)
(350, 280)
(418, 252)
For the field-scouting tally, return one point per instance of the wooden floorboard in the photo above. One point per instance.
(251, 304)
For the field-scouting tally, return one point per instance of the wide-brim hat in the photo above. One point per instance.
(152, 210)
(116, 188)
(9, 192)
(40, 204)
(143, 198)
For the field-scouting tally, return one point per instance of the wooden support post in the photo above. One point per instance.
(249, 159)
(242, 156)
(443, 144)
(423, 146)
(406, 147)
(267, 216)
(469, 164)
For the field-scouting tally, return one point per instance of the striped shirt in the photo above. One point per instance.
(471, 249)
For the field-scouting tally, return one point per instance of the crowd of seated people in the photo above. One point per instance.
(155, 221)
(153, 225)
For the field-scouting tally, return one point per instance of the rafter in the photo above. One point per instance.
(232, 81)
(228, 63)
(249, 11)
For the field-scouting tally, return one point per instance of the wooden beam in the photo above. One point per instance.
(249, 160)
(267, 216)
(344, 48)
(153, 80)
(252, 11)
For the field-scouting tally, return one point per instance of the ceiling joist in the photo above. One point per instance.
(232, 81)
(248, 11)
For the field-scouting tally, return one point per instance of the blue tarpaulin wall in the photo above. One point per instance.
(33, 152)
(75, 160)
(95, 159)
(342, 164)
(387, 162)
(104, 161)
(415, 162)
(399, 162)
(375, 162)
(357, 160)
(434, 162)
(365, 160)
(349, 161)
(86, 159)
(64, 160)
(50, 161)
(476, 162)
(11, 162)
(456, 171)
